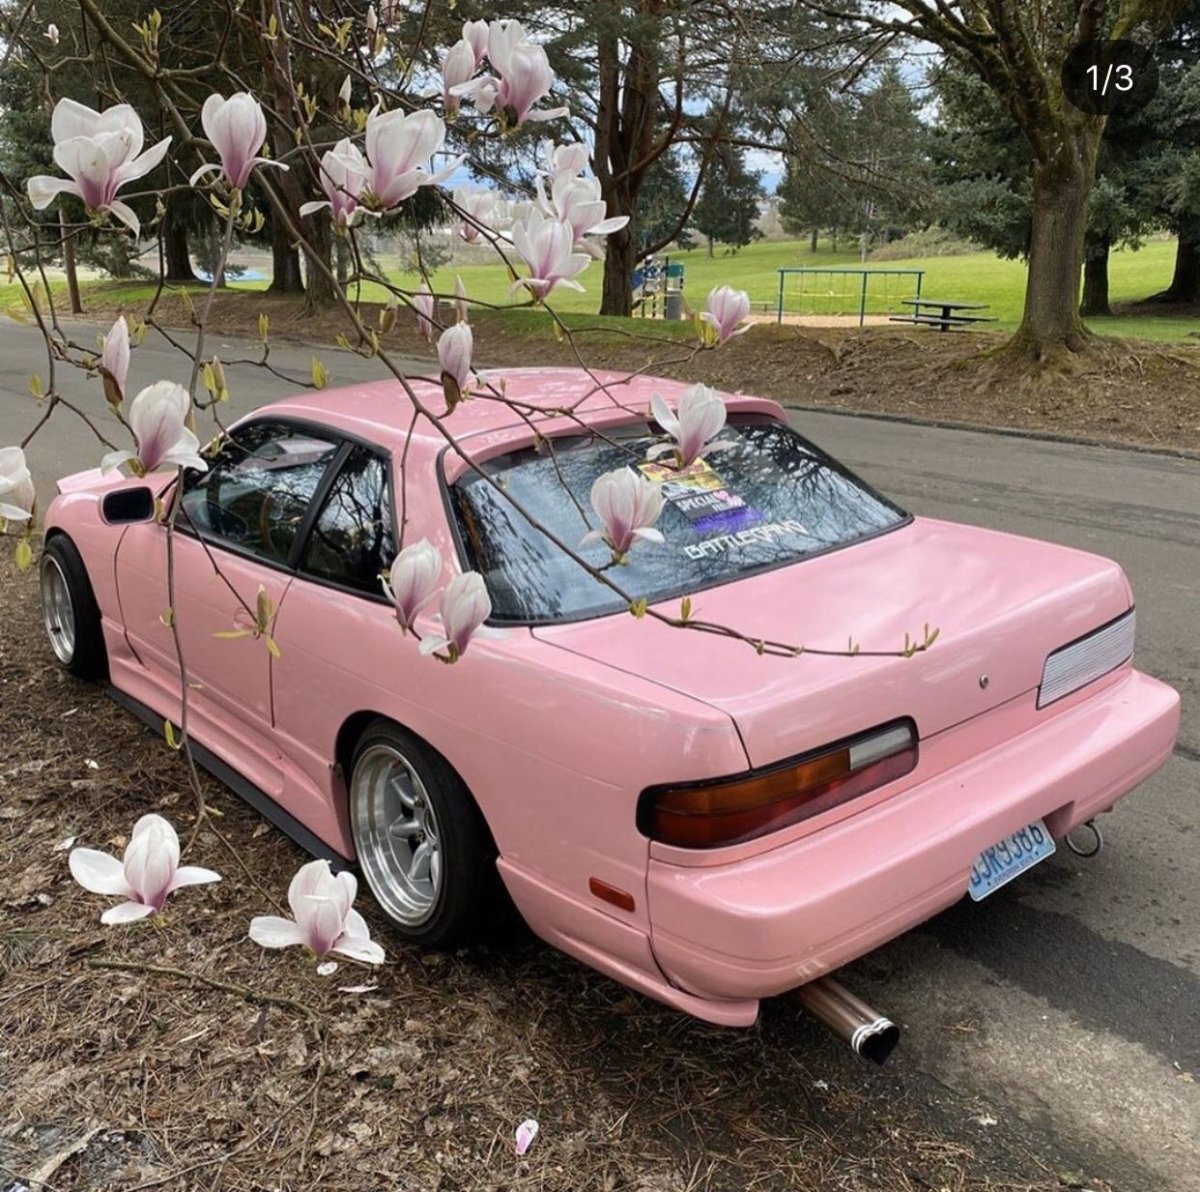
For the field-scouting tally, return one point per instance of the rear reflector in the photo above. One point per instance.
(731, 810)
(1085, 660)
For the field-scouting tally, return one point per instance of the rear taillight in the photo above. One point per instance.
(731, 810)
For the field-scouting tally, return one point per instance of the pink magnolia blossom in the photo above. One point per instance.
(455, 347)
(52, 34)
(150, 871)
(399, 148)
(17, 494)
(237, 129)
(325, 919)
(628, 505)
(571, 159)
(724, 310)
(577, 202)
(344, 173)
(527, 1131)
(101, 152)
(477, 203)
(114, 361)
(522, 77)
(458, 66)
(461, 305)
(465, 607)
(700, 418)
(475, 34)
(547, 245)
(413, 580)
(422, 302)
(157, 417)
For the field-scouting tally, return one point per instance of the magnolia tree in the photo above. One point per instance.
(377, 133)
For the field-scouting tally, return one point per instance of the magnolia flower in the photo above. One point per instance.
(725, 309)
(527, 1131)
(344, 92)
(454, 348)
(149, 872)
(101, 151)
(546, 245)
(465, 607)
(569, 159)
(701, 417)
(413, 580)
(114, 361)
(476, 202)
(399, 146)
(461, 305)
(577, 202)
(325, 919)
(157, 417)
(475, 34)
(372, 19)
(52, 34)
(458, 66)
(422, 302)
(16, 486)
(628, 505)
(344, 173)
(237, 129)
(523, 76)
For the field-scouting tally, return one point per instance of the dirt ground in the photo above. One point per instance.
(1125, 391)
(181, 1056)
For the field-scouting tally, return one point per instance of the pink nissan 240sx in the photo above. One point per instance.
(706, 824)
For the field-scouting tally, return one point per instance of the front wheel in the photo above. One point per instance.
(69, 610)
(422, 844)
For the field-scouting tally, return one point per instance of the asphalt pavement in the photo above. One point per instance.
(1066, 1004)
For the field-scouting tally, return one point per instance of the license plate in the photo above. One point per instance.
(1009, 858)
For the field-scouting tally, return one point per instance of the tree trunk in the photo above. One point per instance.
(710, 245)
(816, 236)
(835, 235)
(342, 255)
(1095, 277)
(1184, 289)
(175, 247)
(318, 262)
(1062, 183)
(214, 250)
(620, 260)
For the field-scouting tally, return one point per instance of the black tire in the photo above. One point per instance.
(465, 890)
(80, 649)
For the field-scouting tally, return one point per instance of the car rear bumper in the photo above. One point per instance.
(758, 926)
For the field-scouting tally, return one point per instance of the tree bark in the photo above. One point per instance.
(318, 261)
(1184, 289)
(620, 260)
(1095, 277)
(1063, 175)
(175, 247)
(815, 241)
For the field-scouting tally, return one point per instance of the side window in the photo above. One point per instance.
(352, 540)
(258, 488)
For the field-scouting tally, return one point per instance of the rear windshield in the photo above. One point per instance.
(770, 499)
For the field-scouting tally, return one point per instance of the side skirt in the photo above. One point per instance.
(257, 798)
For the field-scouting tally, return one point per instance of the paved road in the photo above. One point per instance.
(1068, 1003)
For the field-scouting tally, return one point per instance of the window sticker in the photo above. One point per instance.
(700, 495)
(713, 547)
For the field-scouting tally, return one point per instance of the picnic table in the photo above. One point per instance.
(942, 314)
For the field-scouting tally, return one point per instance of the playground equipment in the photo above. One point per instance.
(658, 289)
(845, 291)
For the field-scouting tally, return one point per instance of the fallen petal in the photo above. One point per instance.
(328, 968)
(527, 1131)
(126, 912)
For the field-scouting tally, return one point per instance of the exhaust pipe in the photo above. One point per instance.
(869, 1034)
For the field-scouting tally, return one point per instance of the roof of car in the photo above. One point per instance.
(382, 413)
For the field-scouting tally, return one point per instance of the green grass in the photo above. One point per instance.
(975, 277)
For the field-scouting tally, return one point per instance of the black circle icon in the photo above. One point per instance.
(1110, 78)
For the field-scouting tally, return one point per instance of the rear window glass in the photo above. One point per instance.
(768, 500)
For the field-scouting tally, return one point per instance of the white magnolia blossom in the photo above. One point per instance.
(627, 504)
(52, 34)
(462, 306)
(724, 312)
(522, 76)
(577, 202)
(458, 65)
(422, 302)
(101, 152)
(399, 148)
(237, 129)
(699, 419)
(344, 173)
(547, 246)
(477, 203)
(325, 919)
(149, 872)
(17, 495)
(413, 580)
(114, 360)
(475, 34)
(464, 608)
(456, 346)
(158, 417)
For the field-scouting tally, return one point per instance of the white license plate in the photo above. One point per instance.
(1009, 858)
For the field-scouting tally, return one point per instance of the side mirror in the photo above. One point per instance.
(127, 505)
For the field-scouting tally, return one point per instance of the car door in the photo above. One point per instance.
(238, 528)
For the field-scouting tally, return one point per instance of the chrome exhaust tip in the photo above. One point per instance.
(868, 1033)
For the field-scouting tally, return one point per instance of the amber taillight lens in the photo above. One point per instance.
(729, 811)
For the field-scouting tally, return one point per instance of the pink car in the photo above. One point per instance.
(705, 824)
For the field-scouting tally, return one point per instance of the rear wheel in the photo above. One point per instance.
(422, 844)
(69, 610)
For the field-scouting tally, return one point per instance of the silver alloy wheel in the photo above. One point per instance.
(396, 835)
(58, 610)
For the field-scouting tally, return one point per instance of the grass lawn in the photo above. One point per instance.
(975, 277)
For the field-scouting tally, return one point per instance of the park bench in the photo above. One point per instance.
(935, 312)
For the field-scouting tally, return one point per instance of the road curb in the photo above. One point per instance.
(1011, 432)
